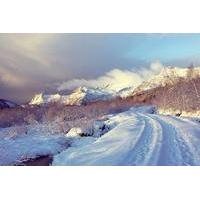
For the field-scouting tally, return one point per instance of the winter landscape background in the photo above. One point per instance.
(100, 99)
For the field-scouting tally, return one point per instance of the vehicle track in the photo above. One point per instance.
(140, 139)
(147, 148)
(175, 149)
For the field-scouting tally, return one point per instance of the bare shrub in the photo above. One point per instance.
(64, 115)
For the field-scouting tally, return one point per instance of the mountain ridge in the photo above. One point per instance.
(7, 104)
(165, 89)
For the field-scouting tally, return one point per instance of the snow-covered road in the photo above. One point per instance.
(139, 138)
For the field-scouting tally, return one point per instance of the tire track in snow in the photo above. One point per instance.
(146, 149)
(110, 149)
(186, 131)
(175, 150)
(139, 139)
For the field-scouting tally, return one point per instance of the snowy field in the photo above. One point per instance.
(18, 144)
(134, 137)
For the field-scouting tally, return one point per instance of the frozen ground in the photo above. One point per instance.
(18, 144)
(134, 137)
(139, 138)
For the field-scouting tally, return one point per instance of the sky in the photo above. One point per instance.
(33, 63)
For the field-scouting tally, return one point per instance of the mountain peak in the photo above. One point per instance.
(7, 104)
(178, 71)
(43, 98)
(168, 75)
(78, 96)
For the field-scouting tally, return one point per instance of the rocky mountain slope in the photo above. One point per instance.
(169, 76)
(174, 91)
(81, 95)
(7, 104)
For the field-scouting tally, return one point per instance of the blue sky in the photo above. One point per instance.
(168, 48)
(30, 62)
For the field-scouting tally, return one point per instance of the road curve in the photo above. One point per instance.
(140, 139)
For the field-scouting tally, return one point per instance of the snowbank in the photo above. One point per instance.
(109, 149)
(148, 109)
(179, 113)
(16, 147)
(94, 128)
(20, 143)
(138, 139)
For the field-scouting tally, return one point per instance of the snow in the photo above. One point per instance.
(77, 97)
(41, 98)
(125, 92)
(16, 144)
(10, 104)
(80, 95)
(95, 128)
(171, 111)
(7, 104)
(139, 138)
(166, 76)
(74, 132)
(85, 95)
(149, 109)
(20, 143)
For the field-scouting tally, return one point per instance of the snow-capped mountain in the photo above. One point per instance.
(43, 98)
(7, 104)
(125, 92)
(174, 91)
(79, 96)
(168, 76)
(83, 95)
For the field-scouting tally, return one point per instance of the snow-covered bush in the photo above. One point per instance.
(94, 128)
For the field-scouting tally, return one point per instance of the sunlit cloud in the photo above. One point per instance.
(116, 79)
(30, 62)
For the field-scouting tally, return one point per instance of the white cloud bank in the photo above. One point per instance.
(115, 79)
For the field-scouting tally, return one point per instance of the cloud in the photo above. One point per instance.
(153, 69)
(57, 57)
(116, 79)
(30, 62)
(26, 54)
(25, 67)
(9, 78)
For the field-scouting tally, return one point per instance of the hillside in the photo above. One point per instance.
(176, 93)
(91, 126)
(169, 76)
(82, 96)
(7, 104)
(79, 96)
